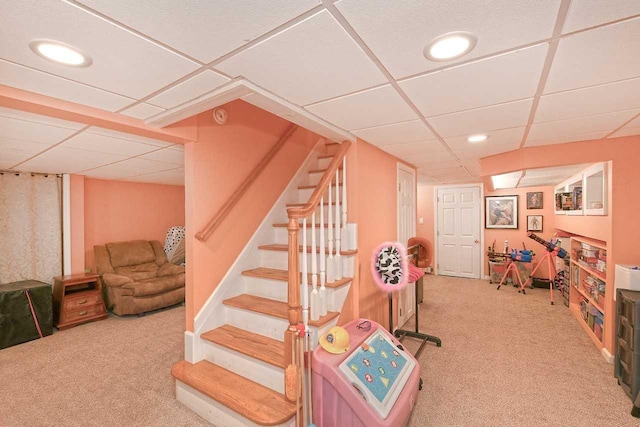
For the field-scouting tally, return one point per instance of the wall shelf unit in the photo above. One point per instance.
(589, 287)
(584, 193)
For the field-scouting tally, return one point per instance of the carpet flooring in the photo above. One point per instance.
(507, 359)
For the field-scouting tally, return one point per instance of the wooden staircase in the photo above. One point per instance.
(241, 379)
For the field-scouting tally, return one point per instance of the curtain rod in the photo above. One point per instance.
(57, 175)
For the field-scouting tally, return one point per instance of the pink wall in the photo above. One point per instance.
(118, 211)
(76, 185)
(426, 211)
(519, 237)
(221, 159)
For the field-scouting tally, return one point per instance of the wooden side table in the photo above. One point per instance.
(77, 298)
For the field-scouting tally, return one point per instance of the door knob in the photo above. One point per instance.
(476, 241)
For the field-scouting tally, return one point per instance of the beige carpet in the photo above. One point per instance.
(506, 360)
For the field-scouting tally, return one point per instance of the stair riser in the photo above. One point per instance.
(324, 163)
(212, 411)
(256, 370)
(269, 326)
(315, 177)
(280, 260)
(277, 290)
(304, 194)
(281, 235)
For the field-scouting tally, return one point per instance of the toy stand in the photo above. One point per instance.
(513, 268)
(549, 256)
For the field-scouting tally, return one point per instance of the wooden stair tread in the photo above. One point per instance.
(249, 399)
(285, 248)
(283, 276)
(321, 170)
(296, 205)
(271, 307)
(326, 156)
(253, 345)
(307, 187)
(285, 225)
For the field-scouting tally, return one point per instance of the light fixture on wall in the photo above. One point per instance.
(477, 138)
(450, 46)
(60, 53)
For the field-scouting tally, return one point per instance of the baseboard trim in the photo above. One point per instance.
(191, 353)
(607, 356)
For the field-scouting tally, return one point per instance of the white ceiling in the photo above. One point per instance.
(536, 177)
(542, 73)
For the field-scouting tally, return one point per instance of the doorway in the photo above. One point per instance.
(458, 233)
(406, 230)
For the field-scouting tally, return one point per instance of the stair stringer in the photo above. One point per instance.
(212, 313)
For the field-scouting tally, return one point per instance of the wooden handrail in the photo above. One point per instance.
(222, 213)
(329, 173)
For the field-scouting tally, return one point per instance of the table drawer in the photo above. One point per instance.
(82, 313)
(81, 301)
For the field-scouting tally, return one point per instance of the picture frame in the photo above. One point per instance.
(501, 212)
(534, 222)
(534, 200)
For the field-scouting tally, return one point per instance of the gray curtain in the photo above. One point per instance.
(30, 227)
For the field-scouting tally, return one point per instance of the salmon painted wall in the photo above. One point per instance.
(375, 211)
(518, 236)
(426, 211)
(76, 199)
(221, 159)
(118, 211)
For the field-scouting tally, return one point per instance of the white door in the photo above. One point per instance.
(406, 230)
(458, 232)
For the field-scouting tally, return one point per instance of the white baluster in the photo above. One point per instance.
(337, 263)
(322, 296)
(305, 280)
(330, 273)
(315, 296)
(345, 234)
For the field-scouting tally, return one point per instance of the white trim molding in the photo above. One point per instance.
(66, 224)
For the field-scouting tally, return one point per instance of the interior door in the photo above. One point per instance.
(458, 232)
(406, 230)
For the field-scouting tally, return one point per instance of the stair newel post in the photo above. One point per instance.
(293, 297)
(315, 297)
(330, 271)
(305, 274)
(337, 263)
(322, 297)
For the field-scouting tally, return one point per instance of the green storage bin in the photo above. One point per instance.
(16, 321)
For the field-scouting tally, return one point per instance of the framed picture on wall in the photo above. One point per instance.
(534, 222)
(534, 200)
(501, 212)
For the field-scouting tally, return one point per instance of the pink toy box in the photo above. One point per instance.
(375, 384)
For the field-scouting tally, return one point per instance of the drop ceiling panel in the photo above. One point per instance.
(626, 131)
(432, 167)
(588, 13)
(131, 167)
(593, 100)
(473, 166)
(37, 118)
(10, 157)
(485, 151)
(142, 111)
(107, 144)
(166, 155)
(127, 136)
(302, 63)
(567, 138)
(443, 156)
(397, 133)
(511, 137)
(491, 81)
(21, 147)
(398, 32)
(415, 148)
(373, 107)
(189, 89)
(46, 84)
(169, 177)
(202, 29)
(482, 120)
(123, 62)
(594, 57)
(67, 160)
(30, 131)
(580, 125)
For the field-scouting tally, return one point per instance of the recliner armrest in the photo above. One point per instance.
(115, 280)
(169, 269)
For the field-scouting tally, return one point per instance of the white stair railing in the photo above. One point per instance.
(337, 262)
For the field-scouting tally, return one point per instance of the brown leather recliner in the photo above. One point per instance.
(137, 277)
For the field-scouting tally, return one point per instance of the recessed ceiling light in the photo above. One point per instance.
(450, 46)
(60, 53)
(477, 138)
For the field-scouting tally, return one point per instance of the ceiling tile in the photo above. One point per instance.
(565, 139)
(46, 84)
(5, 164)
(130, 167)
(106, 144)
(37, 118)
(588, 13)
(415, 148)
(203, 30)
(605, 98)
(142, 111)
(373, 107)
(484, 119)
(127, 136)
(166, 155)
(472, 166)
(580, 125)
(511, 137)
(170, 177)
(189, 89)
(491, 81)
(301, 63)
(626, 131)
(123, 62)
(433, 157)
(397, 133)
(598, 56)
(485, 151)
(21, 147)
(30, 131)
(10, 157)
(67, 160)
(398, 32)
(439, 165)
